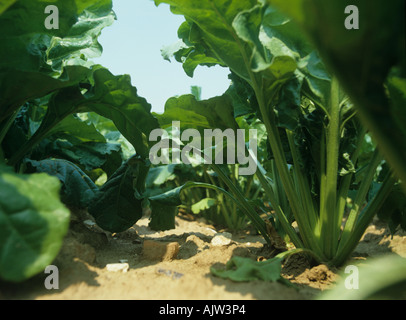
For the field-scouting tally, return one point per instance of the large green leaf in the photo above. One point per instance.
(78, 190)
(37, 85)
(116, 207)
(81, 43)
(379, 278)
(33, 223)
(79, 142)
(212, 21)
(274, 58)
(362, 60)
(114, 97)
(30, 51)
(213, 113)
(106, 94)
(191, 55)
(25, 39)
(249, 37)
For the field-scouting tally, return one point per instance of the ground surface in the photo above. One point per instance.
(183, 270)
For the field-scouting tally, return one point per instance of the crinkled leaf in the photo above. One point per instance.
(33, 223)
(242, 96)
(114, 97)
(212, 114)
(216, 112)
(110, 96)
(81, 43)
(26, 41)
(110, 132)
(212, 21)
(77, 188)
(116, 207)
(80, 143)
(190, 57)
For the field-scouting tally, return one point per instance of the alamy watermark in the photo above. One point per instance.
(352, 280)
(208, 149)
(52, 281)
(350, 22)
(52, 20)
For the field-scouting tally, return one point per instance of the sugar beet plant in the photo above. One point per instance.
(314, 134)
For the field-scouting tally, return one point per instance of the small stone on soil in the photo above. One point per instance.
(221, 239)
(117, 267)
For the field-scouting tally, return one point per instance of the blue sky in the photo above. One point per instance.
(132, 46)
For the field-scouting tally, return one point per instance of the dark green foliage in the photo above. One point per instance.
(78, 190)
(115, 206)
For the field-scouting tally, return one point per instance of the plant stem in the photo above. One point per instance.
(330, 224)
(348, 245)
(303, 187)
(279, 212)
(346, 181)
(248, 209)
(299, 213)
(360, 197)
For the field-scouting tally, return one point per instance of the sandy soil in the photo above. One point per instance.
(176, 265)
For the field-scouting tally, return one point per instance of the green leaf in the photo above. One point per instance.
(362, 63)
(380, 278)
(162, 216)
(115, 207)
(37, 85)
(110, 132)
(110, 96)
(241, 269)
(160, 175)
(5, 5)
(212, 21)
(270, 55)
(203, 204)
(216, 112)
(242, 95)
(114, 97)
(79, 142)
(81, 43)
(26, 40)
(26, 44)
(165, 204)
(78, 189)
(33, 223)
